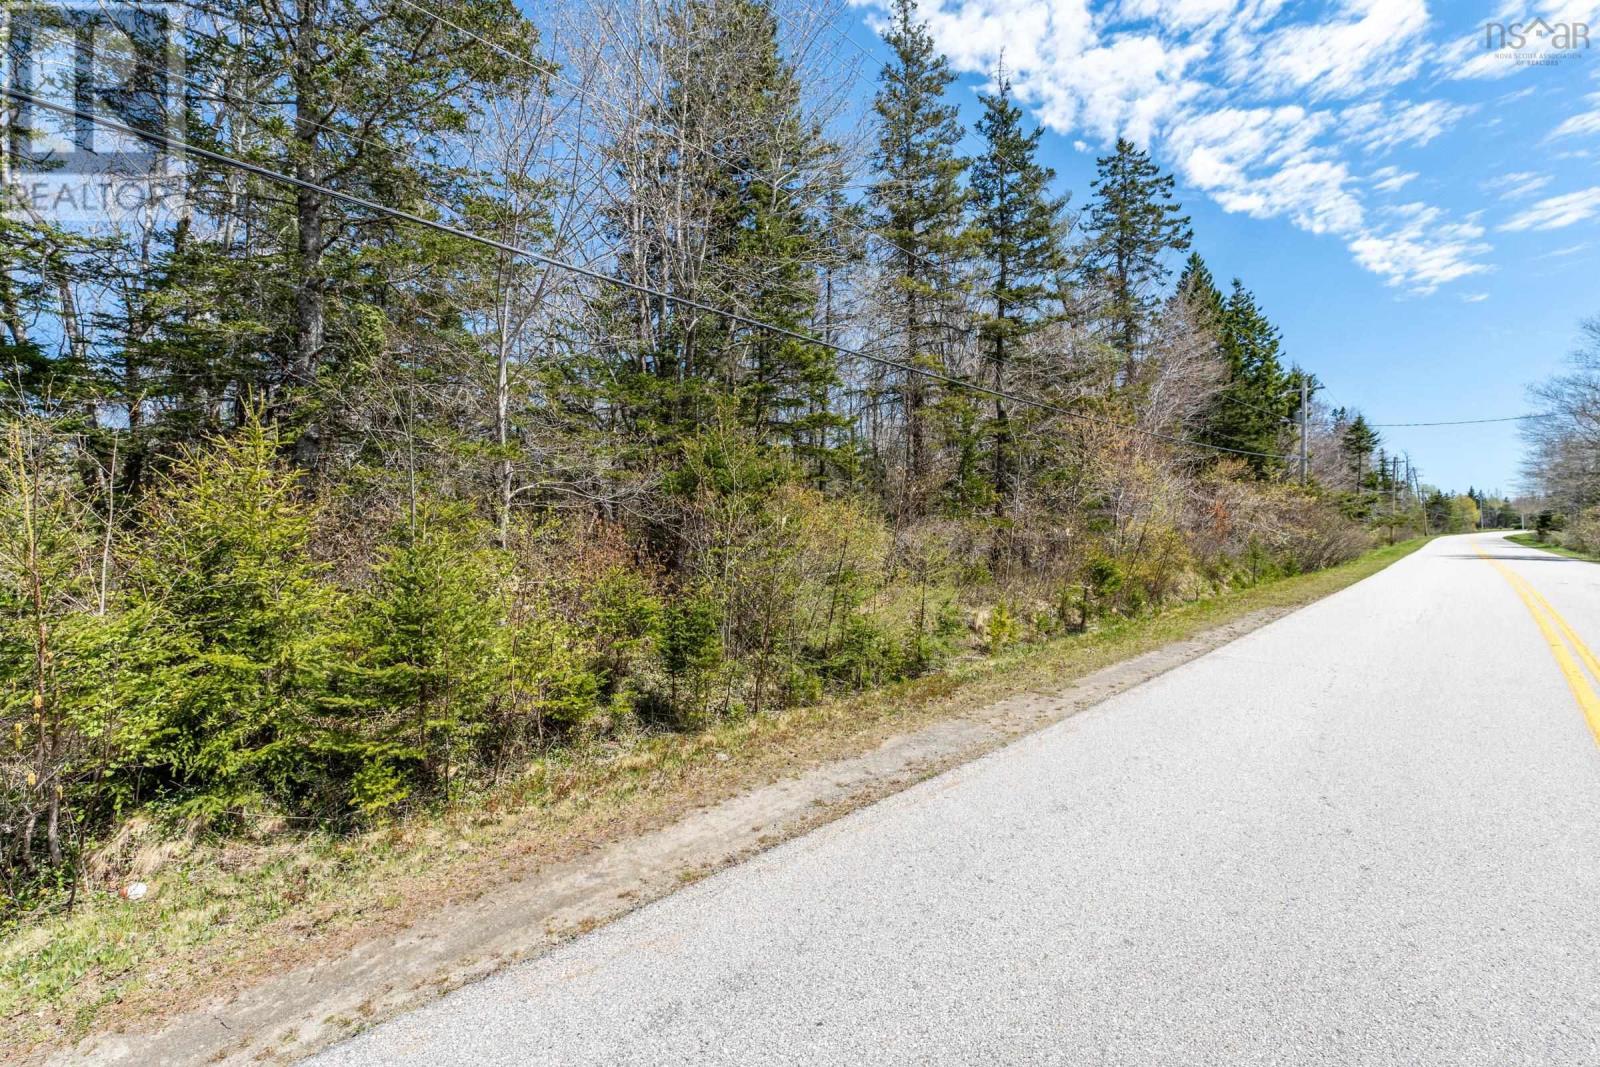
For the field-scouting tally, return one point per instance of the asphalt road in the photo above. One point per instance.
(1367, 833)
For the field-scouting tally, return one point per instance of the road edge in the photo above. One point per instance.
(299, 1012)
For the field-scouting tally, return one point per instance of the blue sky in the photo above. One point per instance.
(1418, 212)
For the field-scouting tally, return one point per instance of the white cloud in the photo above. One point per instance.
(1423, 250)
(1557, 212)
(1474, 298)
(1379, 125)
(1258, 105)
(1583, 123)
(1392, 179)
(1517, 185)
(1370, 45)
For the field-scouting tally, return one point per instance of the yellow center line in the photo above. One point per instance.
(1553, 629)
(1588, 658)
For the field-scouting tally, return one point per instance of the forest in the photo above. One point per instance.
(733, 376)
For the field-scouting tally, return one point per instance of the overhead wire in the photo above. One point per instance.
(220, 158)
(1466, 422)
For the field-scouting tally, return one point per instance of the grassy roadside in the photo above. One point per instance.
(222, 913)
(1532, 541)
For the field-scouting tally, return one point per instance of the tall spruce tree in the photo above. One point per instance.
(734, 222)
(918, 205)
(1133, 223)
(1200, 295)
(781, 247)
(1252, 409)
(1019, 242)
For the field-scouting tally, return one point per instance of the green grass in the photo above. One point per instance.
(1532, 541)
(225, 911)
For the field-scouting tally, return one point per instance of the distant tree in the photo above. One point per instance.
(1199, 293)
(1359, 441)
(1563, 448)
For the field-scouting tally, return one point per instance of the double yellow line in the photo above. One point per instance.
(1555, 628)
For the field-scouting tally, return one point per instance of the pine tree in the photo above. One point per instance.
(1019, 240)
(1133, 223)
(918, 205)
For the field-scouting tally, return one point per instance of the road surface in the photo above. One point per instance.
(1367, 833)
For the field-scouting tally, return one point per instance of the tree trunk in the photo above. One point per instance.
(310, 287)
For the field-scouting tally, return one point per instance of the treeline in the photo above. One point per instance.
(1563, 446)
(315, 512)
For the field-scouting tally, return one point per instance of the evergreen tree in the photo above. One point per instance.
(1251, 410)
(781, 247)
(1359, 441)
(1019, 240)
(428, 637)
(1133, 223)
(272, 292)
(226, 569)
(918, 205)
(1200, 295)
(738, 224)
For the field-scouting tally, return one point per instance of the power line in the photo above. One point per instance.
(1465, 422)
(1225, 395)
(180, 145)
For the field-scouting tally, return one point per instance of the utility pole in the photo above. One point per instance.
(1305, 402)
(1394, 495)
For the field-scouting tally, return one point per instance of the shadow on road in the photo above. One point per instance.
(1533, 559)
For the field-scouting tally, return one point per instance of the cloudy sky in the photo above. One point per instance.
(1420, 212)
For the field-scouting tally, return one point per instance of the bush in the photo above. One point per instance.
(1583, 531)
(623, 618)
(83, 677)
(551, 688)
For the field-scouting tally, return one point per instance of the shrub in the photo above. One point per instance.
(83, 677)
(1583, 531)
(622, 617)
(1003, 628)
(551, 688)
